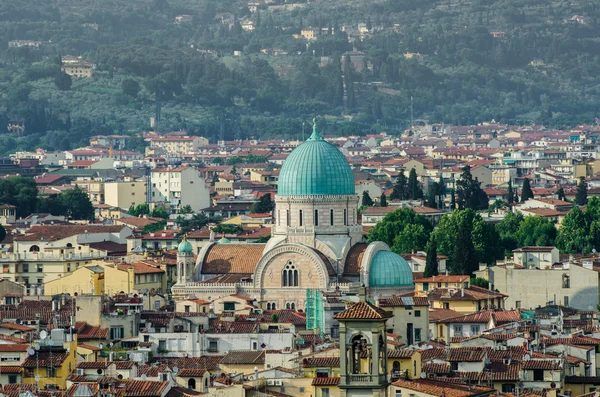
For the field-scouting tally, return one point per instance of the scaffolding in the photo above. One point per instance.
(315, 314)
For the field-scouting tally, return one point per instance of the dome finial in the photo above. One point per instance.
(315, 134)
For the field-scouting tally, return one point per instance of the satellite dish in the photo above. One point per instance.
(175, 370)
(423, 375)
(144, 377)
(526, 357)
(30, 351)
(43, 334)
(37, 378)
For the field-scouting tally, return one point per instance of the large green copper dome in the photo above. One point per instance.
(315, 168)
(389, 269)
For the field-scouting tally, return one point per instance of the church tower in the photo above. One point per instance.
(362, 330)
(185, 261)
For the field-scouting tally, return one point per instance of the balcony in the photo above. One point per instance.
(367, 379)
(48, 256)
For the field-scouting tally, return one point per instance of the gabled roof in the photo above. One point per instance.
(232, 258)
(244, 357)
(363, 311)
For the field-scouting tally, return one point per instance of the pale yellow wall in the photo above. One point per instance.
(125, 194)
(464, 307)
(116, 281)
(81, 281)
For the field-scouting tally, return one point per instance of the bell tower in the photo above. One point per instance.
(185, 261)
(363, 334)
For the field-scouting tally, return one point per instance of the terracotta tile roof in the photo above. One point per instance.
(89, 332)
(209, 362)
(443, 279)
(45, 359)
(446, 389)
(16, 327)
(232, 258)
(124, 364)
(479, 317)
(191, 372)
(10, 369)
(8, 348)
(89, 347)
(504, 317)
(401, 353)
(13, 339)
(354, 259)
(330, 381)
(244, 357)
(363, 311)
(93, 364)
(143, 388)
(464, 294)
(467, 354)
(542, 364)
(140, 268)
(399, 301)
(436, 315)
(436, 368)
(515, 353)
(321, 362)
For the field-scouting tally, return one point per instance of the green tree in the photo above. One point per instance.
(400, 191)
(2, 233)
(431, 262)
(469, 192)
(154, 227)
(63, 81)
(414, 190)
(395, 223)
(264, 205)
(581, 195)
(508, 229)
(76, 204)
(140, 209)
(510, 198)
(218, 160)
(130, 87)
(574, 234)
(195, 222)
(159, 212)
(526, 192)
(383, 200)
(215, 179)
(367, 201)
(480, 282)
(411, 238)
(536, 231)
(186, 209)
(465, 258)
(20, 192)
(560, 194)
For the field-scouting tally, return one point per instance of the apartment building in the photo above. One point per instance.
(179, 187)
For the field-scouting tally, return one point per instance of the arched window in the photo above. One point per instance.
(205, 385)
(273, 306)
(396, 368)
(316, 217)
(192, 384)
(566, 281)
(269, 306)
(300, 217)
(289, 275)
(293, 306)
(69, 245)
(278, 218)
(287, 306)
(34, 248)
(331, 217)
(287, 216)
(345, 217)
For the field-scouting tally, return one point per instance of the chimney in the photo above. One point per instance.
(462, 292)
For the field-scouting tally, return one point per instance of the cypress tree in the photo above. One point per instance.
(526, 193)
(511, 193)
(581, 196)
(465, 258)
(367, 201)
(383, 200)
(414, 190)
(431, 264)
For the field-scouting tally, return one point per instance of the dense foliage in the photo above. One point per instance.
(540, 66)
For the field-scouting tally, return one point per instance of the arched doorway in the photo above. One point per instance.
(34, 248)
(192, 384)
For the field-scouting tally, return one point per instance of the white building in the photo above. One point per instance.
(179, 187)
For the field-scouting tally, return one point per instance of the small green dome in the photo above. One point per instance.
(185, 247)
(389, 269)
(315, 168)
(224, 240)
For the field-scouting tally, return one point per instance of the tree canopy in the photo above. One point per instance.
(402, 230)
